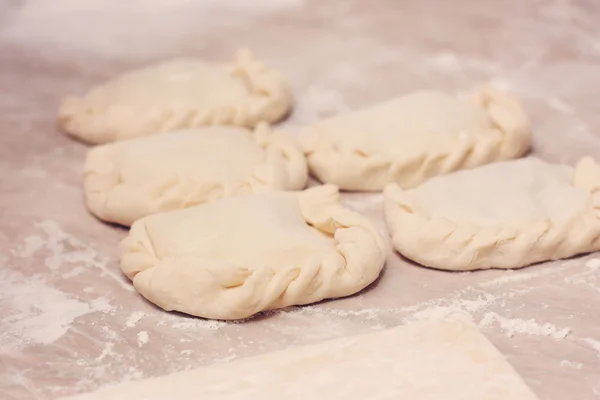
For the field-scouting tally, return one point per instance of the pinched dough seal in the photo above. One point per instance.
(414, 137)
(233, 258)
(503, 215)
(127, 180)
(178, 94)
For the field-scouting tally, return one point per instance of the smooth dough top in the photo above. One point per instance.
(127, 180)
(178, 94)
(405, 125)
(414, 137)
(233, 258)
(504, 215)
(508, 193)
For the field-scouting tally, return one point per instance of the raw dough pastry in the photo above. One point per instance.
(178, 94)
(232, 258)
(504, 215)
(430, 360)
(127, 180)
(414, 137)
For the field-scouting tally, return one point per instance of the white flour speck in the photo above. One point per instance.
(73, 273)
(101, 304)
(571, 364)
(511, 276)
(199, 324)
(32, 244)
(134, 318)
(142, 338)
(511, 326)
(594, 343)
(593, 264)
(106, 352)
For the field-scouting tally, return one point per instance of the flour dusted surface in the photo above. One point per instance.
(366, 52)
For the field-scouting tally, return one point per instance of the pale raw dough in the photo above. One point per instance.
(235, 257)
(178, 94)
(127, 180)
(414, 137)
(504, 215)
(433, 360)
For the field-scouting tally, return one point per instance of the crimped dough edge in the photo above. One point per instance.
(226, 291)
(429, 241)
(358, 170)
(111, 199)
(269, 100)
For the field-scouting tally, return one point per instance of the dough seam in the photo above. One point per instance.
(438, 237)
(284, 167)
(342, 271)
(358, 170)
(270, 99)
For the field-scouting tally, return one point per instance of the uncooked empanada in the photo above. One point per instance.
(127, 180)
(414, 137)
(232, 258)
(504, 215)
(178, 94)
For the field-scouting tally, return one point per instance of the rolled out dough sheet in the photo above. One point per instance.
(441, 360)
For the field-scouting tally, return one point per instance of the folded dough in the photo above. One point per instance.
(127, 180)
(414, 137)
(503, 215)
(178, 94)
(232, 258)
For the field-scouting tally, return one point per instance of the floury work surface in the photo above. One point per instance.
(70, 322)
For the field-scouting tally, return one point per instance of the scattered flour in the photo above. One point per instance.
(367, 314)
(32, 311)
(199, 324)
(102, 304)
(593, 264)
(142, 338)
(594, 343)
(134, 318)
(64, 251)
(107, 351)
(511, 326)
(73, 273)
(571, 364)
(511, 276)
(461, 306)
(60, 248)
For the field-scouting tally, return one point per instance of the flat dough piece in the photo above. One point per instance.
(178, 94)
(414, 137)
(503, 215)
(127, 180)
(235, 257)
(430, 360)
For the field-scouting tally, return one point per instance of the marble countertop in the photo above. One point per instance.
(70, 322)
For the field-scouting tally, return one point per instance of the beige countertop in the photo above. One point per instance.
(70, 322)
